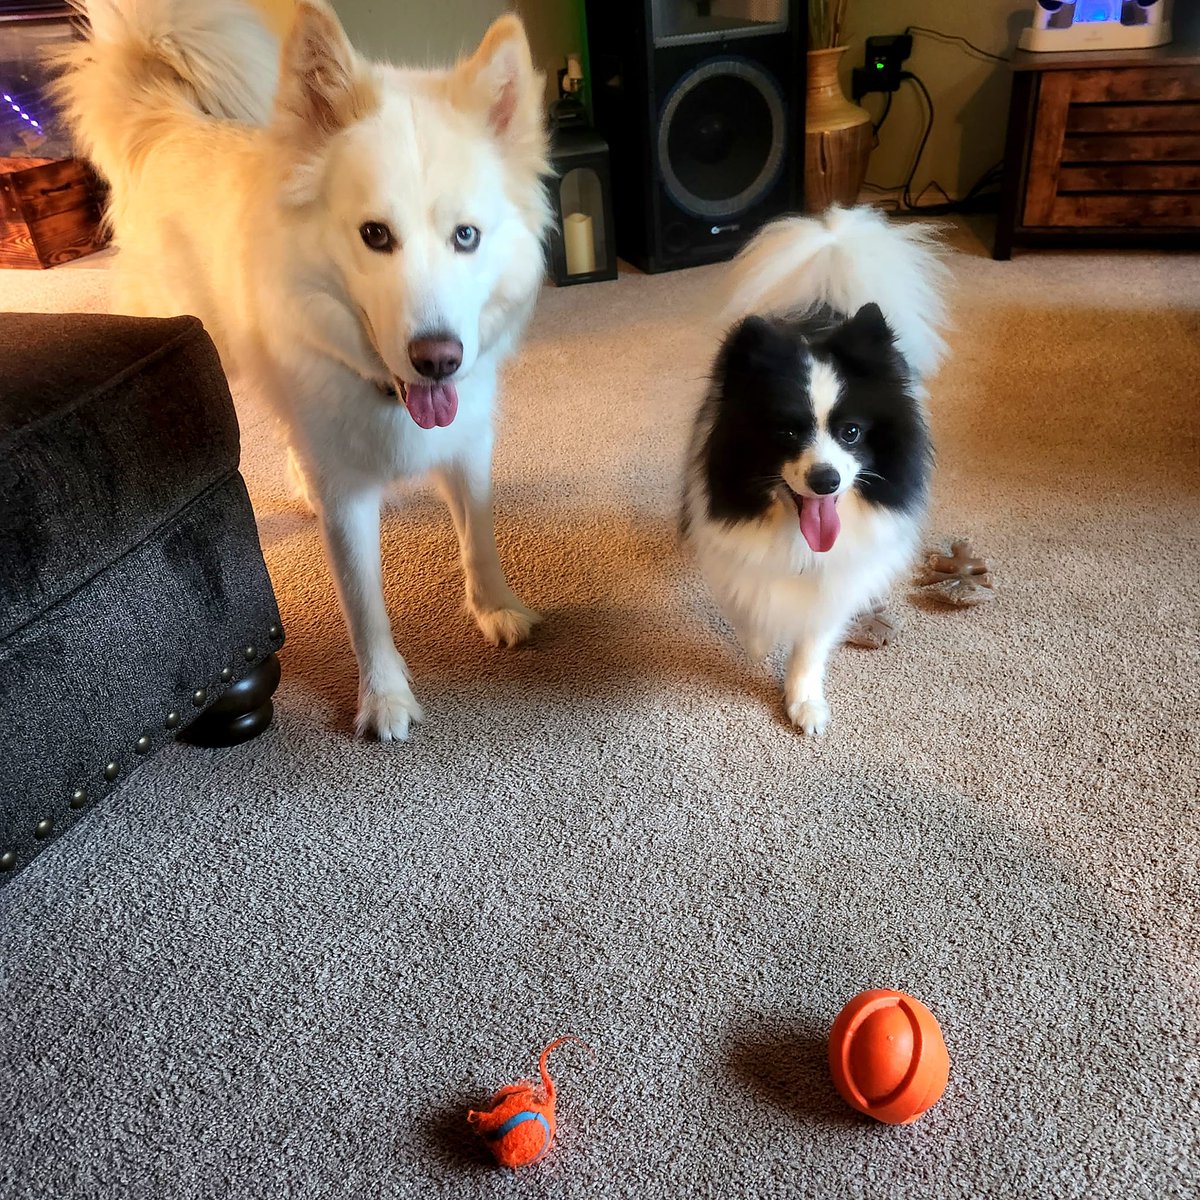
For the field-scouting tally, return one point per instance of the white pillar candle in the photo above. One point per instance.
(581, 247)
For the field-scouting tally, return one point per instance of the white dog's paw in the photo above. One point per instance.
(387, 715)
(809, 716)
(507, 626)
(299, 482)
(757, 648)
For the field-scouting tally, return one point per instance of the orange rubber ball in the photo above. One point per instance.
(887, 1056)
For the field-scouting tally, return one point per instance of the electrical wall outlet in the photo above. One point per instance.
(883, 63)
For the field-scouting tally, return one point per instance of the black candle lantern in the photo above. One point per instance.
(582, 248)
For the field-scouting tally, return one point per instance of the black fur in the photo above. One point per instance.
(763, 415)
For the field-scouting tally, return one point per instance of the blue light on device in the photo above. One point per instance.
(1094, 11)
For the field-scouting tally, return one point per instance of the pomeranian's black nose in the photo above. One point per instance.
(436, 357)
(823, 479)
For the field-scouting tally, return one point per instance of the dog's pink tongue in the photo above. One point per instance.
(819, 521)
(432, 404)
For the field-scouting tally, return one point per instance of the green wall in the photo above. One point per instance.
(437, 31)
(970, 94)
(555, 29)
(417, 32)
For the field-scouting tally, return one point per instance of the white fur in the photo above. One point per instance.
(823, 388)
(221, 56)
(847, 258)
(252, 223)
(773, 588)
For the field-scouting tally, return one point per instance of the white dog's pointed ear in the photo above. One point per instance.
(322, 85)
(499, 82)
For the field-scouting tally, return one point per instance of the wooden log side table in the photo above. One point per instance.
(1103, 149)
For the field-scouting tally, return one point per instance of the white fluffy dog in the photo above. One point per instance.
(363, 243)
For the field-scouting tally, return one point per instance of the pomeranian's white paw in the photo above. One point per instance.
(388, 714)
(809, 716)
(507, 626)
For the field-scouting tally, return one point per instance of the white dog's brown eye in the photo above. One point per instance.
(376, 236)
(466, 239)
(848, 434)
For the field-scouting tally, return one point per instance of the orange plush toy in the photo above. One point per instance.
(519, 1125)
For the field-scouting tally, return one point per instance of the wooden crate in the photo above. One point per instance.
(1103, 147)
(49, 212)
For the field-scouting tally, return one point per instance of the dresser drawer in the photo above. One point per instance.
(1135, 83)
(1180, 116)
(1101, 210)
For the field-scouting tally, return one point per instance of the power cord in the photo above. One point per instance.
(954, 37)
(905, 188)
(876, 126)
(906, 195)
(978, 194)
(977, 199)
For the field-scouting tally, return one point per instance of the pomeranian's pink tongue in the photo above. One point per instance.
(432, 404)
(819, 521)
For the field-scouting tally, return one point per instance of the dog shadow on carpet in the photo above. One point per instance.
(624, 617)
(578, 656)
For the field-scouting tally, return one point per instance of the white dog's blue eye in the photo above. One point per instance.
(376, 236)
(848, 434)
(466, 239)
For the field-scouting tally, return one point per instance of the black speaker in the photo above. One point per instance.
(701, 102)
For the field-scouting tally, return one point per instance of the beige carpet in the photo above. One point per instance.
(287, 968)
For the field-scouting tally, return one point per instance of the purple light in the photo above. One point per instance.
(20, 111)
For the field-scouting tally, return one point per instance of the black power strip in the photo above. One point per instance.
(883, 64)
(883, 71)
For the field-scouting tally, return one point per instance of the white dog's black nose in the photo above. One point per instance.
(823, 479)
(436, 357)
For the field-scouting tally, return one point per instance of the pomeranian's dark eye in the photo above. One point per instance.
(376, 236)
(466, 239)
(848, 434)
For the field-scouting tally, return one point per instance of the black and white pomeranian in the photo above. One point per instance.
(809, 467)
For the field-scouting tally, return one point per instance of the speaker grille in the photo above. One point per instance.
(721, 138)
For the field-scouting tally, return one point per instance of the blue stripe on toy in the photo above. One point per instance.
(520, 1119)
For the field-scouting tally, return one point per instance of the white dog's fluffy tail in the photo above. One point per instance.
(847, 258)
(146, 60)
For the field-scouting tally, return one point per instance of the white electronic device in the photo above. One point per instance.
(1069, 25)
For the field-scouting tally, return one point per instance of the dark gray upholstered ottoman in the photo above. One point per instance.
(135, 606)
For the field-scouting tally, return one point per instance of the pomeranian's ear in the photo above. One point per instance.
(756, 346)
(499, 82)
(323, 87)
(865, 339)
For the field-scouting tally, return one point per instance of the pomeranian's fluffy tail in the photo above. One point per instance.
(847, 258)
(146, 61)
